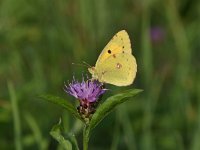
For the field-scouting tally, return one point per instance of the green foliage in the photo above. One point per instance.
(103, 110)
(17, 124)
(40, 39)
(63, 103)
(109, 104)
(56, 133)
(36, 132)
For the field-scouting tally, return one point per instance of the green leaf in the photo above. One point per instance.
(63, 103)
(56, 134)
(110, 103)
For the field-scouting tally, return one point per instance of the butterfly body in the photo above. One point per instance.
(116, 65)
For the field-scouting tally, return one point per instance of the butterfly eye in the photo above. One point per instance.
(109, 51)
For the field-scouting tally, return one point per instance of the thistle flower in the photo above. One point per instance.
(88, 93)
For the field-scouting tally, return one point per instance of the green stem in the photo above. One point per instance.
(86, 132)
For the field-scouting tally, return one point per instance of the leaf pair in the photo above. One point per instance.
(102, 111)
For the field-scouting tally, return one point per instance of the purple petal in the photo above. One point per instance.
(89, 90)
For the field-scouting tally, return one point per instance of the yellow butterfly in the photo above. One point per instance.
(116, 65)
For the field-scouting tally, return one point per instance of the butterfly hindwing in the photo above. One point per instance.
(118, 70)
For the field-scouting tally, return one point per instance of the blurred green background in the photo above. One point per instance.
(39, 39)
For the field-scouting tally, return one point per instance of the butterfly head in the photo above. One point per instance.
(92, 70)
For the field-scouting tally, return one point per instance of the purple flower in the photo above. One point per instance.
(89, 90)
(88, 93)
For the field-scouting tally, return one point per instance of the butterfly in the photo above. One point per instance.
(116, 65)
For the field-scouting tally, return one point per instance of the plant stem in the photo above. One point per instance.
(85, 137)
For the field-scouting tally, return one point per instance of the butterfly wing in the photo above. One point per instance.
(119, 70)
(120, 43)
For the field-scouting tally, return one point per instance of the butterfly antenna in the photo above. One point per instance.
(78, 64)
(88, 65)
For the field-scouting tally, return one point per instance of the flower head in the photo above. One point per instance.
(87, 92)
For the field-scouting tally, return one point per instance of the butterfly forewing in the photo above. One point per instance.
(120, 43)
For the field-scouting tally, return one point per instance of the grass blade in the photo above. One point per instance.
(41, 142)
(16, 118)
